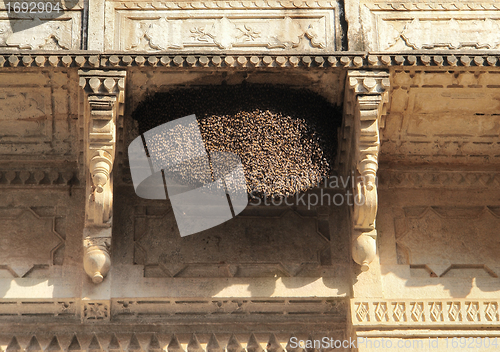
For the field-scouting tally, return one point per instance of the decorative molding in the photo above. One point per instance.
(62, 309)
(264, 61)
(104, 96)
(433, 6)
(366, 94)
(158, 338)
(41, 177)
(389, 178)
(225, 5)
(172, 308)
(49, 60)
(166, 308)
(416, 312)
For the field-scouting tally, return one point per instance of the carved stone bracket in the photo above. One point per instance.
(103, 102)
(365, 97)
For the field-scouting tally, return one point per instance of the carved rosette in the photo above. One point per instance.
(366, 95)
(103, 100)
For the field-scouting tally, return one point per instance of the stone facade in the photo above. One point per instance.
(85, 264)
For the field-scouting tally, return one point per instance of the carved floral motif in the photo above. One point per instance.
(231, 31)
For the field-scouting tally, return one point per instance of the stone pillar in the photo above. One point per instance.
(104, 98)
(366, 94)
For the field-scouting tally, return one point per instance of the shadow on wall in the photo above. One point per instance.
(260, 246)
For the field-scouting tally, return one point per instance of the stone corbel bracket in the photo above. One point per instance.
(104, 93)
(366, 96)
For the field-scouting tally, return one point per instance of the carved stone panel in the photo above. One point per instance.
(280, 242)
(56, 26)
(95, 311)
(216, 26)
(416, 26)
(23, 114)
(29, 239)
(448, 236)
(262, 241)
(38, 115)
(444, 116)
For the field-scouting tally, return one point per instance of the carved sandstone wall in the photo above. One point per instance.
(85, 264)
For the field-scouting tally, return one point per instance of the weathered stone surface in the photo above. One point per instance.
(252, 283)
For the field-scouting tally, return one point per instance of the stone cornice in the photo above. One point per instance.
(433, 6)
(356, 60)
(224, 5)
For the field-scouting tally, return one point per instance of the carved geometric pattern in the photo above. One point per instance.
(436, 311)
(95, 311)
(145, 59)
(417, 311)
(381, 311)
(472, 311)
(491, 311)
(424, 312)
(158, 340)
(399, 311)
(304, 237)
(470, 236)
(443, 179)
(454, 311)
(28, 239)
(362, 311)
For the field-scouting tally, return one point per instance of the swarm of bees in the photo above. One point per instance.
(286, 138)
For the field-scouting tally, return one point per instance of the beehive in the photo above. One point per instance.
(286, 138)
